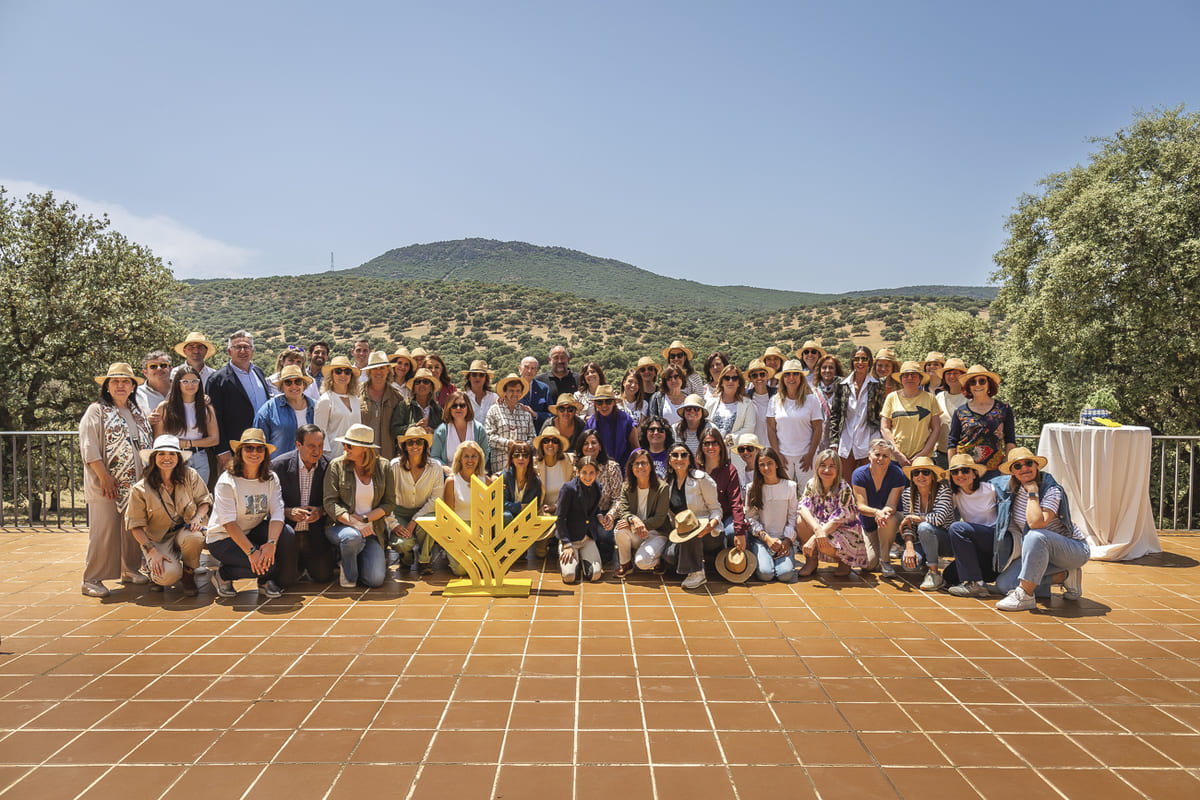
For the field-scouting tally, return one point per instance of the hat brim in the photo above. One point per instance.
(677, 346)
(345, 440)
(737, 577)
(509, 379)
(149, 452)
(402, 438)
(574, 405)
(563, 443)
(938, 472)
(979, 468)
(328, 369)
(100, 379)
(679, 538)
(209, 347)
(1006, 467)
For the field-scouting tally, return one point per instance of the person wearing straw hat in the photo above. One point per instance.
(692, 424)
(246, 531)
(422, 409)
(647, 372)
(795, 422)
(933, 365)
(379, 400)
(339, 406)
(566, 420)
(678, 356)
(643, 516)
(402, 369)
(950, 398)
(926, 511)
(418, 358)
(507, 420)
(772, 358)
(360, 493)
(293, 354)
(772, 505)
(692, 497)
(479, 388)
(972, 537)
(459, 425)
(1033, 510)
(195, 350)
(538, 397)
(279, 417)
(616, 429)
(854, 418)
(111, 433)
(746, 449)
(167, 511)
(419, 482)
(237, 391)
(887, 364)
(559, 377)
(810, 354)
(761, 386)
(911, 418)
(983, 427)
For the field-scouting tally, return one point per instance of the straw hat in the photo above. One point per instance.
(888, 354)
(359, 436)
(418, 352)
(119, 369)
(977, 370)
(424, 375)
(693, 401)
(647, 361)
(402, 352)
(340, 361)
(925, 462)
(959, 460)
(748, 440)
(252, 436)
(792, 365)
(1020, 454)
(414, 432)
(774, 351)
(165, 444)
(604, 392)
(758, 364)
(551, 432)
(954, 364)
(377, 360)
(510, 378)
(811, 345)
(291, 371)
(481, 366)
(935, 357)
(195, 337)
(677, 345)
(736, 566)
(565, 399)
(913, 368)
(686, 527)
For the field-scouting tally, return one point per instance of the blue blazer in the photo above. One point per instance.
(538, 398)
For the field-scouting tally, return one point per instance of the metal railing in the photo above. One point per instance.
(41, 479)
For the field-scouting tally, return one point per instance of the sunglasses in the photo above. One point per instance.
(691, 410)
(747, 449)
(457, 405)
(924, 473)
(962, 471)
(861, 360)
(342, 371)
(254, 448)
(756, 375)
(604, 401)
(683, 456)
(731, 379)
(415, 443)
(674, 356)
(710, 443)
(810, 353)
(520, 456)
(978, 382)
(656, 430)
(422, 382)
(646, 370)
(292, 381)
(1028, 464)
(158, 366)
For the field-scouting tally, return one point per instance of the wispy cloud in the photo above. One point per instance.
(192, 254)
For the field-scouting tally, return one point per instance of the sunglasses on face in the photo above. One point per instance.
(604, 402)
(254, 448)
(655, 430)
(520, 456)
(731, 379)
(810, 353)
(710, 443)
(158, 366)
(457, 405)
(647, 370)
(342, 371)
(1024, 464)
(922, 473)
(422, 382)
(414, 443)
(962, 471)
(756, 375)
(292, 381)
(746, 449)
(674, 356)
(977, 382)
(861, 360)
(677, 456)
(691, 411)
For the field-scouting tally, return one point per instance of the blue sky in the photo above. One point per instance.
(821, 147)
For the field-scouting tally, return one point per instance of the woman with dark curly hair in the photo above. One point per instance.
(983, 427)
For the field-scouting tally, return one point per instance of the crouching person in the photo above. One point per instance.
(579, 524)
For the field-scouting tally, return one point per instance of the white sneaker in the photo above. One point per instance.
(1017, 600)
(933, 581)
(695, 580)
(1073, 585)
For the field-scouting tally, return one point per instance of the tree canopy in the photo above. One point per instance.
(1101, 280)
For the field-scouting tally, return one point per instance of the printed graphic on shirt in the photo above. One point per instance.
(256, 505)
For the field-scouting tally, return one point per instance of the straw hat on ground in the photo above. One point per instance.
(736, 566)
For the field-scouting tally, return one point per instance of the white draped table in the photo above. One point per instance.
(1106, 475)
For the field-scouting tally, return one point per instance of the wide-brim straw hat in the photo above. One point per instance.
(415, 432)
(119, 369)
(1020, 454)
(960, 460)
(935, 357)
(418, 352)
(811, 344)
(551, 432)
(604, 392)
(774, 351)
(195, 337)
(165, 444)
(736, 566)
(509, 378)
(925, 462)
(748, 440)
(360, 436)
(792, 365)
(423, 374)
(758, 364)
(692, 401)
(677, 345)
(954, 364)
(340, 361)
(913, 368)
(292, 371)
(566, 400)
(975, 371)
(647, 361)
(888, 354)
(687, 527)
(252, 436)
(480, 366)
(377, 360)
(402, 352)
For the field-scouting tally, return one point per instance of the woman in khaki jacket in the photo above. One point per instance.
(360, 492)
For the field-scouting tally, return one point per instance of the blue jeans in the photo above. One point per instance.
(771, 567)
(1043, 553)
(973, 547)
(933, 542)
(363, 560)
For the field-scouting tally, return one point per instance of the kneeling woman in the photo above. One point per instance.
(246, 532)
(166, 514)
(580, 524)
(359, 494)
(642, 514)
(830, 513)
(418, 481)
(973, 537)
(1033, 509)
(926, 511)
(771, 508)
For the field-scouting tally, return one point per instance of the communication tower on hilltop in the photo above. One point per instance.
(331, 261)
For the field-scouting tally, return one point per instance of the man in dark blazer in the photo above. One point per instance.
(538, 397)
(303, 504)
(236, 391)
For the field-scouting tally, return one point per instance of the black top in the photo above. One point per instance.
(578, 506)
(567, 384)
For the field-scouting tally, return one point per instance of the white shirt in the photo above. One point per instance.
(978, 508)
(794, 423)
(856, 433)
(244, 501)
(334, 418)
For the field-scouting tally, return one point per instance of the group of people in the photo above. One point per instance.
(328, 466)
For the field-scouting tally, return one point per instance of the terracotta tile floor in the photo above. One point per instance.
(828, 688)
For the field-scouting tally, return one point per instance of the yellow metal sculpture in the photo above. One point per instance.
(486, 548)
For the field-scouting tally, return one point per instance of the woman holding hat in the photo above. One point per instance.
(614, 427)
(692, 494)
(656, 437)
(647, 372)
(810, 355)
(566, 421)
(478, 389)
(339, 406)
(279, 417)
(832, 525)
(972, 538)
(419, 482)
(111, 433)
(877, 488)
(458, 425)
(379, 401)
(632, 399)
(360, 492)
(950, 398)
(714, 365)
(983, 427)
(926, 511)
(188, 415)
(591, 377)
(731, 412)
(642, 516)
(509, 420)
(437, 367)
(402, 370)
(167, 511)
(911, 418)
(670, 396)
(246, 532)
(1033, 511)
(580, 524)
(824, 381)
(693, 423)
(887, 363)
(771, 509)
(795, 423)
(854, 418)
(681, 357)
(422, 408)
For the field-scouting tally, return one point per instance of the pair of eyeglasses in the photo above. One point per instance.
(292, 381)
(158, 366)
(684, 456)
(756, 375)
(457, 405)
(746, 448)
(254, 448)
(1028, 464)
(923, 473)
(422, 382)
(656, 430)
(342, 371)
(691, 411)
(977, 382)
(962, 471)
(710, 443)
(646, 370)
(242, 347)
(604, 401)
(674, 356)
(861, 360)
(415, 443)
(731, 379)
(810, 353)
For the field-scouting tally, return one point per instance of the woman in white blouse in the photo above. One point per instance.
(772, 506)
(795, 422)
(339, 406)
